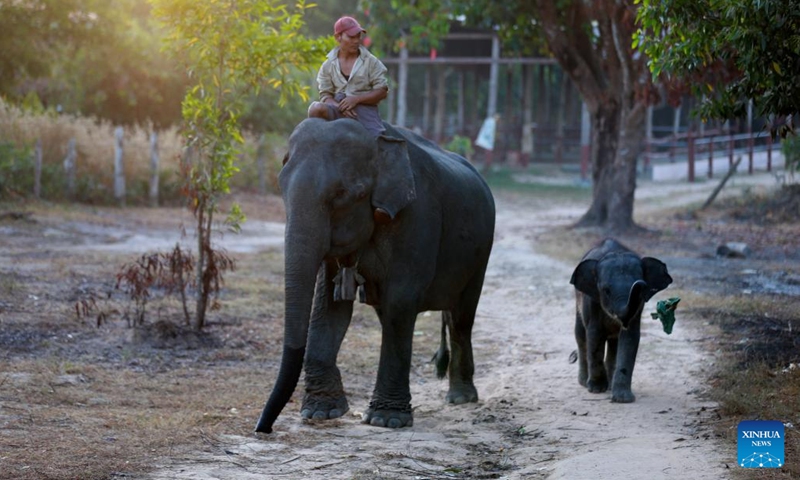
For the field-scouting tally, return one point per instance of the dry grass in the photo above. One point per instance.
(86, 402)
(758, 376)
(117, 420)
(94, 140)
(78, 401)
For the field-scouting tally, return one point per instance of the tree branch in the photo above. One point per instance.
(573, 49)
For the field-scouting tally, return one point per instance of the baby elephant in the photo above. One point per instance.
(612, 284)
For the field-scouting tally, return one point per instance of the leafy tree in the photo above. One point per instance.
(592, 43)
(320, 19)
(33, 33)
(728, 52)
(96, 57)
(417, 25)
(231, 48)
(129, 79)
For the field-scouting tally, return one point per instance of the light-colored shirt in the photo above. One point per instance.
(368, 74)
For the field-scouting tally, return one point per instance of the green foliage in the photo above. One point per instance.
(727, 52)
(418, 25)
(320, 19)
(790, 146)
(127, 79)
(421, 24)
(517, 23)
(262, 114)
(460, 145)
(33, 33)
(16, 171)
(17, 177)
(94, 57)
(231, 49)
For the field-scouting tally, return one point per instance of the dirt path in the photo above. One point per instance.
(533, 419)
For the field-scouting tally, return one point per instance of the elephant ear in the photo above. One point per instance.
(394, 186)
(656, 276)
(585, 278)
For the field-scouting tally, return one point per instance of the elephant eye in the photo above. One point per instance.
(338, 198)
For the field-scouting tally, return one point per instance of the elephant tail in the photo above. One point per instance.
(442, 356)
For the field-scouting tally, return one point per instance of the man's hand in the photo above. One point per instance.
(347, 106)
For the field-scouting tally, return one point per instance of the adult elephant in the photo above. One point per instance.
(409, 222)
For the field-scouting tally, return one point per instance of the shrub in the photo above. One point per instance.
(16, 171)
(460, 145)
(790, 146)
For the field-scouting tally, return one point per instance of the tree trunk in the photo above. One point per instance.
(558, 147)
(402, 86)
(202, 262)
(441, 103)
(616, 143)
(426, 103)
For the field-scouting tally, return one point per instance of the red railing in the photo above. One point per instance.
(688, 146)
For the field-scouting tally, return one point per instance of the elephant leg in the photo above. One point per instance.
(611, 358)
(462, 364)
(580, 338)
(325, 397)
(596, 348)
(460, 322)
(626, 357)
(391, 399)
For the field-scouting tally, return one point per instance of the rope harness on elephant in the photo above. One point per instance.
(347, 282)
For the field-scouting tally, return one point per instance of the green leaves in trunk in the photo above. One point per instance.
(665, 311)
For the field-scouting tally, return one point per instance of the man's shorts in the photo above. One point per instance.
(367, 115)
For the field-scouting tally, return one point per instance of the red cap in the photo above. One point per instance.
(348, 25)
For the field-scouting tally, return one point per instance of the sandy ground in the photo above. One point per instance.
(533, 420)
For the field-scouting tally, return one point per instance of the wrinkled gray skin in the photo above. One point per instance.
(426, 248)
(612, 284)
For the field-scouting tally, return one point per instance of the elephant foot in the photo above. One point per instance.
(462, 394)
(318, 407)
(597, 386)
(388, 418)
(623, 396)
(388, 414)
(582, 379)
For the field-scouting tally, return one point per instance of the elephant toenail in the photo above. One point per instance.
(394, 423)
(377, 422)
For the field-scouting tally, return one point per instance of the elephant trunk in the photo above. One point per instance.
(635, 300)
(305, 249)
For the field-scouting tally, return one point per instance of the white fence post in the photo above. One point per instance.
(154, 161)
(69, 167)
(119, 173)
(37, 169)
(261, 164)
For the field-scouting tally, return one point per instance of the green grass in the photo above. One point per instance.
(503, 179)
